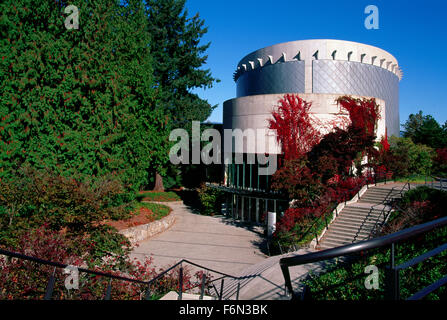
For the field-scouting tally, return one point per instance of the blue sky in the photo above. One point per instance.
(415, 32)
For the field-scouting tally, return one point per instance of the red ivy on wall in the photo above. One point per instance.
(295, 127)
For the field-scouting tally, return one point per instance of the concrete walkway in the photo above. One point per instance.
(265, 281)
(214, 242)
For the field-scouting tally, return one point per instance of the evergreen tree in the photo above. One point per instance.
(413, 123)
(178, 58)
(78, 100)
(424, 129)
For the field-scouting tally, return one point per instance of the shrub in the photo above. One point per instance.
(74, 207)
(414, 158)
(21, 279)
(299, 182)
(211, 200)
(440, 162)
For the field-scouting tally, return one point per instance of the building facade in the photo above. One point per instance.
(319, 71)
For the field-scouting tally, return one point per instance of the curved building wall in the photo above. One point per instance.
(277, 78)
(253, 112)
(353, 78)
(323, 66)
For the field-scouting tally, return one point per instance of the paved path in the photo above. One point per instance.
(214, 242)
(265, 281)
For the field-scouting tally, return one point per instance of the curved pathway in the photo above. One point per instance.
(213, 242)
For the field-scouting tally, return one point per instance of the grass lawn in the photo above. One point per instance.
(143, 213)
(166, 196)
(415, 178)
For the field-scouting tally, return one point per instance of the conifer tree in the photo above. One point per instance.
(78, 100)
(178, 58)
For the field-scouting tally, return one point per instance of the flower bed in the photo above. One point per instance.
(158, 196)
(148, 220)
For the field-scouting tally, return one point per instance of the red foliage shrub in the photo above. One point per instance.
(22, 279)
(440, 162)
(317, 169)
(300, 183)
(295, 126)
(363, 113)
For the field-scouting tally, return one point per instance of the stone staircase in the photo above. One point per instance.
(356, 221)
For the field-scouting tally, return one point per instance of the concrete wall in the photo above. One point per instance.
(317, 49)
(322, 66)
(276, 78)
(253, 112)
(343, 77)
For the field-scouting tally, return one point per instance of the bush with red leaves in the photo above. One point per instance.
(22, 279)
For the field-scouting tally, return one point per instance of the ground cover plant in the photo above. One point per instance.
(142, 213)
(165, 196)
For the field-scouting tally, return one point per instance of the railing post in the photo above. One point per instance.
(202, 289)
(238, 289)
(50, 286)
(221, 289)
(392, 291)
(180, 283)
(109, 290)
(148, 295)
(306, 294)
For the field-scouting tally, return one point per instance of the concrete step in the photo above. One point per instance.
(379, 196)
(329, 244)
(355, 227)
(363, 214)
(372, 201)
(382, 191)
(344, 237)
(362, 209)
(348, 230)
(374, 196)
(355, 220)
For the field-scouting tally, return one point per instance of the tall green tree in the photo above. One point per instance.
(424, 129)
(413, 123)
(78, 100)
(178, 60)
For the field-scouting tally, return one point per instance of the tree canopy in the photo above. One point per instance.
(79, 100)
(179, 57)
(424, 129)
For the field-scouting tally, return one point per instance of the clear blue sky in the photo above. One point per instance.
(415, 32)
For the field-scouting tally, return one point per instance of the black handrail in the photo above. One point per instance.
(50, 286)
(384, 203)
(433, 179)
(391, 239)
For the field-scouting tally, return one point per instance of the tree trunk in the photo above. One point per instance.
(158, 183)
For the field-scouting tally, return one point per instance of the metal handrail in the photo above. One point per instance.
(50, 286)
(391, 239)
(441, 180)
(384, 203)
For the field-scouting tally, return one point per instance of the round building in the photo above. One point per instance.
(319, 71)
